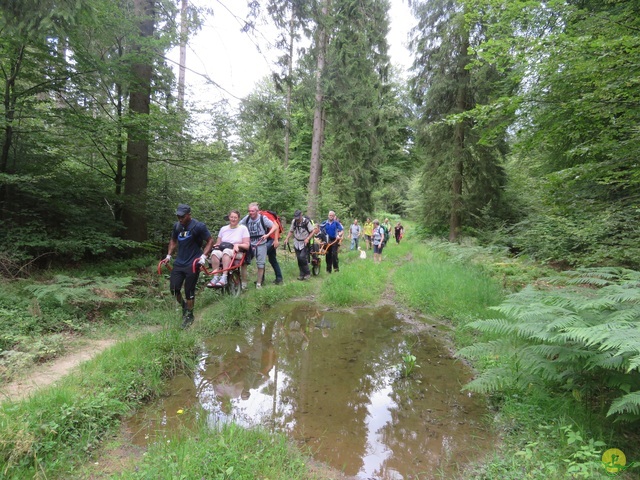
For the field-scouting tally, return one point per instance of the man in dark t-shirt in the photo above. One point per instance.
(187, 236)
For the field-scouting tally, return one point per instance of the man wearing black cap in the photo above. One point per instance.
(302, 230)
(187, 236)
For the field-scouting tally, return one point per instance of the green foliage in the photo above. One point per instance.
(408, 365)
(64, 422)
(221, 454)
(79, 291)
(580, 230)
(577, 331)
(462, 172)
(359, 283)
(429, 279)
(575, 128)
(548, 436)
(582, 458)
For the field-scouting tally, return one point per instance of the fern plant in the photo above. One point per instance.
(579, 330)
(76, 291)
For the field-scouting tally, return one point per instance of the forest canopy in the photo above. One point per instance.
(517, 125)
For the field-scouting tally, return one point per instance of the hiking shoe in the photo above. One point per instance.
(187, 319)
(214, 281)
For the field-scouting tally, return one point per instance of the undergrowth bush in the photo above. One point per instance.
(578, 332)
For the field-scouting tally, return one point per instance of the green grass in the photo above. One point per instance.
(229, 453)
(546, 434)
(357, 283)
(53, 433)
(548, 437)
(61, 424)
(433, 284)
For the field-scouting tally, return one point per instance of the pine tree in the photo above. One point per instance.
(462, 173)
(357, 90)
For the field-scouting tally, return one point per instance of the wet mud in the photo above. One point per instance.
(335, 382)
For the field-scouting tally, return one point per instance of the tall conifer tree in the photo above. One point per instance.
(462, 174)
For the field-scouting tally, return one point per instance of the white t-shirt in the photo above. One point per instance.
(233, 235)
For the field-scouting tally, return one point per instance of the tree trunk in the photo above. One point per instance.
(183, 53)
(455, 220)
(9, 101)
(464, 79)
(318, 118)
(135, 187)
(287, 130)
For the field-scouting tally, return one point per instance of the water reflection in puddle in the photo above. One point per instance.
(330, 380)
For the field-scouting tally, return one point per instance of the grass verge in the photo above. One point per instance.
(546, 433)
(226, 453)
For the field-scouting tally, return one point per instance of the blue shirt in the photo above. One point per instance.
(332, 229)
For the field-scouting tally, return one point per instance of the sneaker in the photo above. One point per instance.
(278, 281)
(222, 282)
(258, 285)
(214, 281)
(243, 286)
(306, 277)
(301, 277)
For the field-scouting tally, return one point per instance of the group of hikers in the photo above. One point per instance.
(376, 235)
(257, 236)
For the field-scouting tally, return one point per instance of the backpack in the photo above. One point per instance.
(273, 216)
(386, 234)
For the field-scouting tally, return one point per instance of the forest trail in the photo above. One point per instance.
(43, 375)
(51, 372)
(48, 373)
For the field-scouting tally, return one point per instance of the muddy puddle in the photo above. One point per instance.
(331, 381)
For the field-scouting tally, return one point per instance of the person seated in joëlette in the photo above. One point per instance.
(232, 240)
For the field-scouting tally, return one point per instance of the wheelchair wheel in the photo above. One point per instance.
(315, 267)
(234, 283)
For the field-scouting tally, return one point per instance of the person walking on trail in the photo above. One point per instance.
(272, 249)
(334, 230)
(187, 237)
(260, 229)
(399, 232)
(302, 230)
(387, 227)
(368, 232)
(378, 241)
(354, 234)
(232, 240)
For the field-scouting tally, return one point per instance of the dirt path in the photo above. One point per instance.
(53, 371)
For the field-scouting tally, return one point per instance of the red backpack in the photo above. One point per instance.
(273, 216)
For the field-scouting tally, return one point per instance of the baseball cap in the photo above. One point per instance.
(183, 209)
